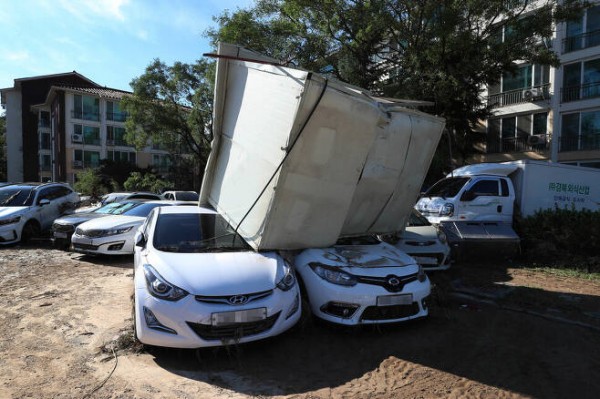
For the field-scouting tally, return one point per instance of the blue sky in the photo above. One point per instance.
(108, 41)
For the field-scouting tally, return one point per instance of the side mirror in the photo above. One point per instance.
(140, 240)
(468, 196)
(43, 201)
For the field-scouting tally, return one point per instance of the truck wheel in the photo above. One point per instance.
(30, 230)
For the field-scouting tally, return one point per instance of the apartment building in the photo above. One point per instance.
(552, 113)
(57, 125)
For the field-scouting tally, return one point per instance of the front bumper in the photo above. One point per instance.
(10, 233)
(364, 303)
(114, 245)
(187, 323)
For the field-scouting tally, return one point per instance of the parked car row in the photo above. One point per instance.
(199, 284)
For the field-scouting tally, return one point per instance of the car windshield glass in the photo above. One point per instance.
(187, 196)
(196, 233)
(112, 208)
(141, 209)
(448, 187)
(16, 196)
(417, 220)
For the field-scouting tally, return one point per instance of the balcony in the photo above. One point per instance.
(538, 143)
(580, 92)
(584, 142)
(116, 116)
(579, 42)
(519, 96)
(88, 116)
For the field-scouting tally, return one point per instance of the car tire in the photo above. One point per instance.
(30, 230)
(62, 244)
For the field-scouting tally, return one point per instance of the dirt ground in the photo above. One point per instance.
(495, 331)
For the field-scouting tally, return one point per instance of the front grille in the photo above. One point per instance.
(390, 312)
(385, 281)
(226, 299)
(90, 233)
(233, 331)
(437, 255)
(86, 247)
(63, 228)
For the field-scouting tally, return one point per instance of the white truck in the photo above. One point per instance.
(499, 191)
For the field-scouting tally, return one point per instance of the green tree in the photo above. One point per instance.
(441, 51)
(146, 182)
(90, 182)
(171, 107)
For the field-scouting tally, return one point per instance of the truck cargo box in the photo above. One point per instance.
(299, 160)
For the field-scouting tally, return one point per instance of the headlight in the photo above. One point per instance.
(447, 209)
(442, 236)
(161, 288)
(114, 232)
(288, 280)
(12, 220)
(333, 275)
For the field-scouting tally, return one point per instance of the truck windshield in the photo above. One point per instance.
(447, 187)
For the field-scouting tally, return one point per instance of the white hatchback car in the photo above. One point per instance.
(426, 243)
(363, 281)
(199, 284)
(113, 235)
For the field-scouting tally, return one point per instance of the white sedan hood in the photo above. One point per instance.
(110, 222)
(219, 273)
(6, 211)
(364, 259)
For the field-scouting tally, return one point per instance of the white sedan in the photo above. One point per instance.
(198, 284)
(113, 235)
(426, 243)
(363, 281)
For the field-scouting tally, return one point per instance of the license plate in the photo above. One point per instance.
(390, 300)
(424, 260)
(58, 234)
(238, 316)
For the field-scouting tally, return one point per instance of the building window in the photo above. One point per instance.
(581, 80)
(161, 162)
(122, 156)
(580, 131)
(114, 112)
(44, 141)
(518, 133)
(45, 162)
(583, 32)
(86, 159)
(86, 134)
(86, 107)
(44, 119)
(115, 136)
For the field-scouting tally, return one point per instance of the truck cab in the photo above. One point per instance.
(469, 198)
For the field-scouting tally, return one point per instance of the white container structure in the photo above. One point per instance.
(299, 160)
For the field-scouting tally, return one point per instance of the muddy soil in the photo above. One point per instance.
(495, 331)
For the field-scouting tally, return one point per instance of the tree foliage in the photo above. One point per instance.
(442, 51)
(171, 107)
(90, 182)
(146, 182)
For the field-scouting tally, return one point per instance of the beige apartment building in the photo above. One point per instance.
(551, 113)
(57, 125)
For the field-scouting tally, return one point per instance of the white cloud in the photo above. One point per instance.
(17, 56)
(89, 10)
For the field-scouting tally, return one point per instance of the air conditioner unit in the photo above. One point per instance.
(78, 164)
(533, 93)
(77, 138)
(536, 139)
(110, 142)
